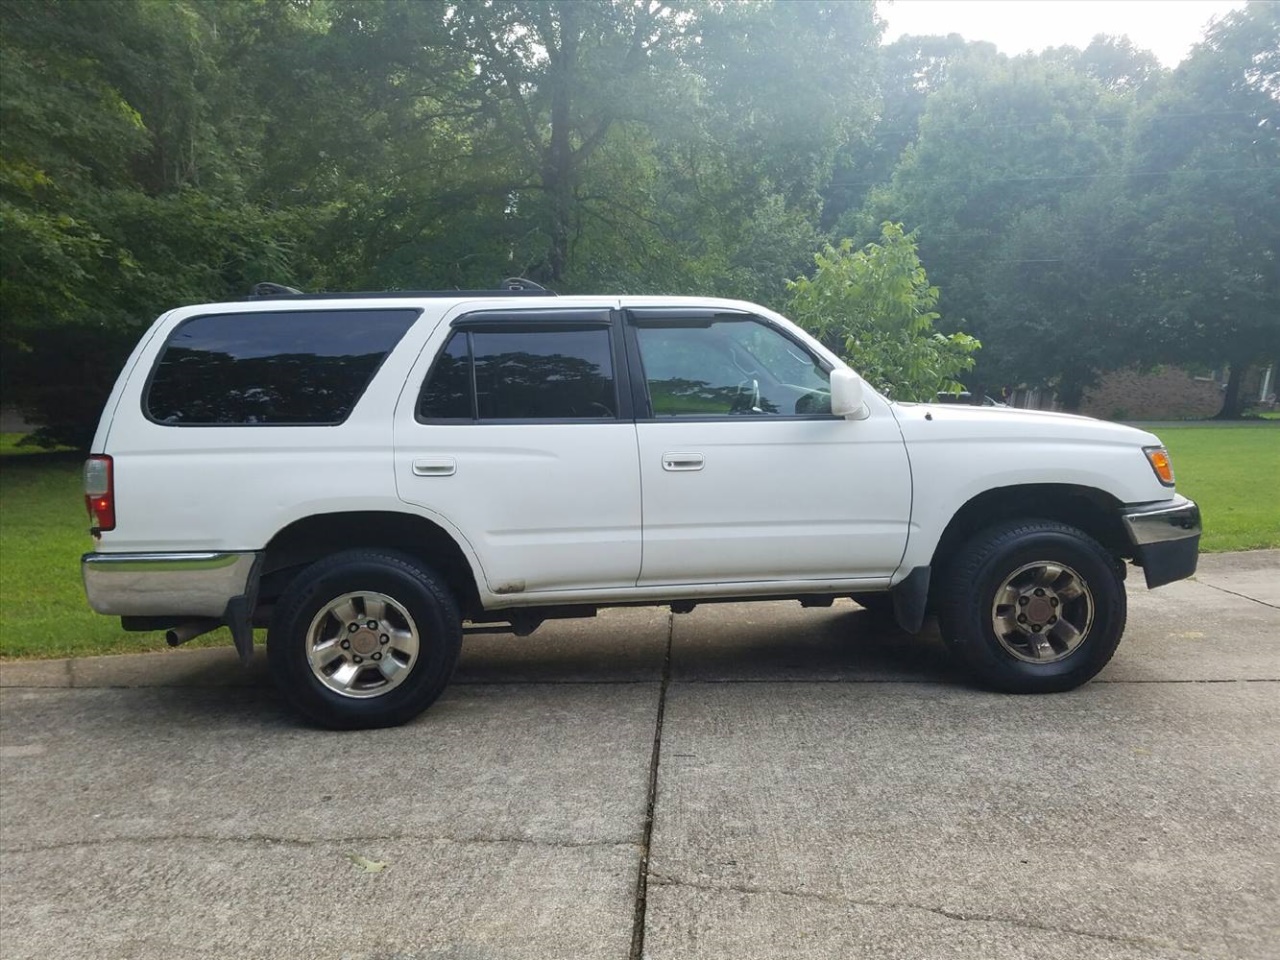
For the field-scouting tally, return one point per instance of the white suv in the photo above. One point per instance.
(364, 473)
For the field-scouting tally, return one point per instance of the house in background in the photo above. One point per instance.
(1166, 393)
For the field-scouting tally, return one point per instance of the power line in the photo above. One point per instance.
(1056, 177)
(1095, 118)
(1053, 260)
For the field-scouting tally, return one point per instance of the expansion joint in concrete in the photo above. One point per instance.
(1242, 596)
(642, 877)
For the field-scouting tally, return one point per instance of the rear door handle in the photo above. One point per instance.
(677, 462)
(435, 467)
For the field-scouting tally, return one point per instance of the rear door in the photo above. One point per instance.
(512, 431)
(746, 474)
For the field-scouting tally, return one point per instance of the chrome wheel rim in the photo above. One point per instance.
(1042, 612)
(362, 645)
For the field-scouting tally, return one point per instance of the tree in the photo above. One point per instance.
(1205, 165)
(118, 197)
(874, 307)
(1112, 61)
(908, 71)
(156, 154)
(1005, 184)
(643, 146)
(666, 119)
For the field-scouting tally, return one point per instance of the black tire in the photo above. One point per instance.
(414, 609)
(1012, 560)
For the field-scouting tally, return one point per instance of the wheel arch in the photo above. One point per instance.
(312, 538)
(1094, 511)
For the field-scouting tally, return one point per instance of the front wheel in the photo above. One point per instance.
(364, 638)
(1033, 606)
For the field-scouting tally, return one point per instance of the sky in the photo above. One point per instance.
(1168, 28)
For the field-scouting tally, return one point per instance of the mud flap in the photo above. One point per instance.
(239, 615)
(910, 597)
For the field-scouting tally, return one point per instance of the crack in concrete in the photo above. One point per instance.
(1242, 596)
(271, 840)
(838, 899)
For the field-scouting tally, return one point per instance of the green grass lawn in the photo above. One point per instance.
(44, 528)
(1234, 474)
(11, 446)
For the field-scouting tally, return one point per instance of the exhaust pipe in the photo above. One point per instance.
(175, 636)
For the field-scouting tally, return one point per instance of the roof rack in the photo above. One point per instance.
(511, 287)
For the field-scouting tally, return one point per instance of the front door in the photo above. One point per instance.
(746, 475)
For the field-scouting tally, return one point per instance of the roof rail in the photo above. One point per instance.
(267, 289)
(511, 287)
(520, 283)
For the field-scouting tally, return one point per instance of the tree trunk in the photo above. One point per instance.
(558, 177)
(1231, 405)
(1071, 395)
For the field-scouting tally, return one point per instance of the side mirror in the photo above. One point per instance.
(847, 394)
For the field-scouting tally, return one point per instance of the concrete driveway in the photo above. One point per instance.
(740, 782)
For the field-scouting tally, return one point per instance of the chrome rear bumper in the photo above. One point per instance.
(166, 584)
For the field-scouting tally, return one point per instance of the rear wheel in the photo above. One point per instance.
(1033, 606)
(364, 638)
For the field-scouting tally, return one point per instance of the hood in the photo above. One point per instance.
(956, 421)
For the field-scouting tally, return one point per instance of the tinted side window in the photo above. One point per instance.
(447, 394)
(523, 374)
(735, 367)
(288, 367)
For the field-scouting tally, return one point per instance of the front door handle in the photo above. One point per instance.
(677, 462)
(435, 467)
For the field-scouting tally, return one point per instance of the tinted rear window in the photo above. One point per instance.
(520, 373)
(288, 367)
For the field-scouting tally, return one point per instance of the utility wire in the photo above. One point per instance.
(1095, 118)
(1055, 177)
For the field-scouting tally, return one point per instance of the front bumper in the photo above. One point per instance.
(1165, 538)
(185, 585)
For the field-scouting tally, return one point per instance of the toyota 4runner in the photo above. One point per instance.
(364, 473)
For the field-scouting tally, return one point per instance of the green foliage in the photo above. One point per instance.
(874, 307)
(120, 196)
(910, 71)
(1079, 209)
(1086, 210)
(993, 185)
(1206, 159)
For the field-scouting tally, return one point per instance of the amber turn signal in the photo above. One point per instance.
(1158, 457)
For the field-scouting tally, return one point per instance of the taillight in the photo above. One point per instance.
(100, 493)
